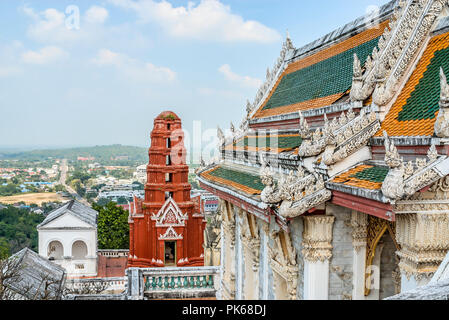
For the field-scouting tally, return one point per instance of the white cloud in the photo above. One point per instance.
(132, 68)
(44, 56)
(96, 14)
(51, 25)
(209, 20)
(241, 80)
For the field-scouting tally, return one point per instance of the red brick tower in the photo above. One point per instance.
(165, 230)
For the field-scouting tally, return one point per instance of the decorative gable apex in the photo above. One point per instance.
(170, 215)
(170, 234)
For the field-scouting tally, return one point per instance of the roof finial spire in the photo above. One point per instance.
(288, 41)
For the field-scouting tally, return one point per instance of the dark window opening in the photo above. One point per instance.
(168, 160)
(168, 143)
(169, 177)
(170, 253)
(168, 195)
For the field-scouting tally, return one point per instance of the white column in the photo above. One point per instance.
(358, 277)
(359, 223)
(238, 260)
(222, 262)
(317, 244)
(316, 280)
(424, 241)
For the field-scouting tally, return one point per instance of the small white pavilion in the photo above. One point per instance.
(68, 237)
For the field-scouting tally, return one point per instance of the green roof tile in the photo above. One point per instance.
(374, 174)
(424, 100)
(245, 179)
(325, 78)
(274, 142)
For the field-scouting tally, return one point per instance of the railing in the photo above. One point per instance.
(116, 284)
(114, 253)
(178, 282)
(173, 282)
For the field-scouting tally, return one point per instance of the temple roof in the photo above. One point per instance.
(168, 115)
(74, 208)
(363, 176)
(320, 79)
(415, 110)
(34, 272)
(327, 106)
(241, 181)
(270, 143)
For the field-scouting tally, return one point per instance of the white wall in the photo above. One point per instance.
(67, 230)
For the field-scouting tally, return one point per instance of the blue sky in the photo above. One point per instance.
(104, 82)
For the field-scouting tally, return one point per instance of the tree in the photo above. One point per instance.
(112, 226)
(4, 249)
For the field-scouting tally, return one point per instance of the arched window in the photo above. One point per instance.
(55, 250)
(79, 250)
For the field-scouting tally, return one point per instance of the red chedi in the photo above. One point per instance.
(165, 229)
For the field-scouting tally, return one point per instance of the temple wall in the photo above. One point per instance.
(297, 228)
(340, 273)
(387, 266)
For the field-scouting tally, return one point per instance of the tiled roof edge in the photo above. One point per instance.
(359, 192)
(255, 203)
(333, 108)
(336, 35)
(407, 141)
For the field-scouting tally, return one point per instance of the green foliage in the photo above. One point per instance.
(18, 229)
(4, 249)
(9, 190)
(79, 175)
(102, 154)
(112, 226)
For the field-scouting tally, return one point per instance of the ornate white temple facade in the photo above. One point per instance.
(335, 185)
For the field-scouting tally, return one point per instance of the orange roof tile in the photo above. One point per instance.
(320, 56)
(414, 127)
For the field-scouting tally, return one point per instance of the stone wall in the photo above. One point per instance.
(387, 266)
(297, 227)
(340, 273)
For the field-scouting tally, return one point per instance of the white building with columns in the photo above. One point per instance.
(335, 185)
(68, 237)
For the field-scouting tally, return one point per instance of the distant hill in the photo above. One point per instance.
(103, 154)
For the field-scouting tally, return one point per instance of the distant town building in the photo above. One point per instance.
(85, 158)
(68, 237)
(141, 174)
(206, 201)
(120, 158)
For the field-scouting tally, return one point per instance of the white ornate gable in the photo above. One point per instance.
(170, 215)
(170, 234)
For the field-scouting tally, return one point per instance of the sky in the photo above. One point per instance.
(85, 73)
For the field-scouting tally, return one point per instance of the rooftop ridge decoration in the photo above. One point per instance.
(271, 77)
(405, 179)
(296, 192)
(339, 137)
(412, 21)
(351, 137)
(442, 122)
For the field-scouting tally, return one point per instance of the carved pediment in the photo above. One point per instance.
(411, 23)
(170, 215)
(170, 234)
(405, 179)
